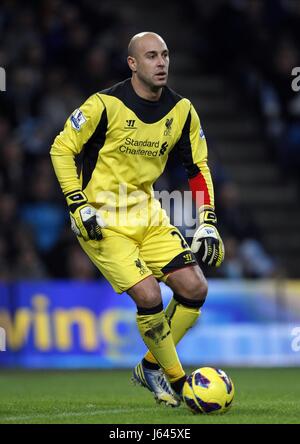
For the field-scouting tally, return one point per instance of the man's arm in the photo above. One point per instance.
(78, 129)
(192, 148)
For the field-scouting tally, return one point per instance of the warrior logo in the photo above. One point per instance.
(130, 124)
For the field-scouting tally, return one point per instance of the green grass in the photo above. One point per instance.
(107, 397)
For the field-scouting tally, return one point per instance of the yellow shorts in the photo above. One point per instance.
(127, 255)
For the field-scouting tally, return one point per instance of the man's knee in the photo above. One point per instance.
(146, 294)
(199, 290)
(196, 291)
(149, 300)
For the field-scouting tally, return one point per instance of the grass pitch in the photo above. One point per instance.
(107, 397)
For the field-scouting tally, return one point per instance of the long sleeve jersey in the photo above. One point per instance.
(117, 138)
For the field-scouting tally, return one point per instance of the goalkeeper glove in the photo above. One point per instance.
(84, 222)
(207, 243)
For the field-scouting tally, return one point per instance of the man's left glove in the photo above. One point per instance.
(84, 222)
(207, 243)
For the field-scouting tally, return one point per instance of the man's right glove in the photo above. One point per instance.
(207, 243)
(84, 222)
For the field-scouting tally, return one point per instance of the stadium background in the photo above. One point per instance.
(233, 59)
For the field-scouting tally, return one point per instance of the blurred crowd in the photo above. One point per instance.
(56, 53)
(256, 45)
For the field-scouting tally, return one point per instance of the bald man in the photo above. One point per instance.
(125, 134)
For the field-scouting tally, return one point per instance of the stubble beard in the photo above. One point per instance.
(150, 83)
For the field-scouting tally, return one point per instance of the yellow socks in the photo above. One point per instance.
(155, 331)
(181, 317)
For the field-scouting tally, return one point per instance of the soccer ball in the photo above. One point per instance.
(208, 390)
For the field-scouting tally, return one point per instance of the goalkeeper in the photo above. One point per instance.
(124, 135)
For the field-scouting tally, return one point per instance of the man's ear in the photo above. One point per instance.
(131, 63)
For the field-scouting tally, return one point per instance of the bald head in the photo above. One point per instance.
(148, 59)
(143, 40)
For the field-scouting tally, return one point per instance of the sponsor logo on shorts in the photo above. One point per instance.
(141, 267)
(188, 258)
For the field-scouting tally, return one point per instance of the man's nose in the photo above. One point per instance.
(161, 61)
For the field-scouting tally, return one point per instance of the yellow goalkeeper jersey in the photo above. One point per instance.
(118, 143)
